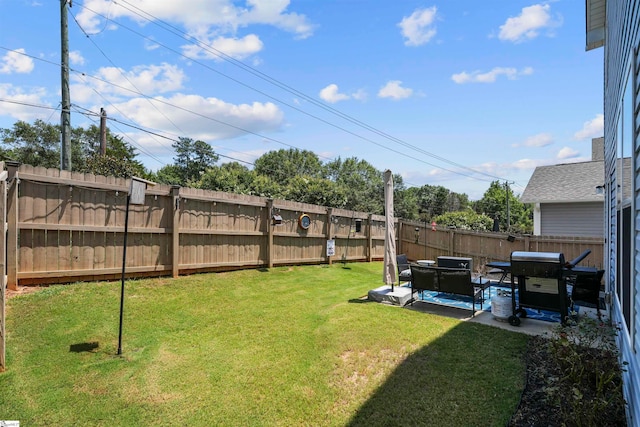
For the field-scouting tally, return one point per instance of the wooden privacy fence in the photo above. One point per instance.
(66, 226)
(419, 241)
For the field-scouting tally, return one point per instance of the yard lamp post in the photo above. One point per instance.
(136, 197)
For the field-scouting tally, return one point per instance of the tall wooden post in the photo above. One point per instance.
(12, 226)
(175, 242)
(370, 238)
(103, 132)
(329, 230)
(65, 114)
(270, 231)
(3, 251)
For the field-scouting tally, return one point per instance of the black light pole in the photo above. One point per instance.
(135, 196)
(124, 261)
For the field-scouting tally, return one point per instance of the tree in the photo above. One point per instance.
(37, 144)
(465, 220)
(234, 177)
(494, 204)
(230, 177)
(119, 160)
(282, 165)
(363, 184)
(316, 191)
(404, 199)
(169, 174)
(431, 201)
(192, 159)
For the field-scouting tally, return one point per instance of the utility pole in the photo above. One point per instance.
(103, 132)
(65, 116)
(506, 188)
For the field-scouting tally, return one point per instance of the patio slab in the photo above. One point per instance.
(400, 295)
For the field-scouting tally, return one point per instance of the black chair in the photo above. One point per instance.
(586, 288)
(423, 279)
(404, 268)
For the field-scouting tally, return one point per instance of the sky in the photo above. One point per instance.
(455, 93)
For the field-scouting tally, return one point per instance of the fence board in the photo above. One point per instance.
(71, 226)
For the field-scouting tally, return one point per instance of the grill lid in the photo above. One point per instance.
(545, 257)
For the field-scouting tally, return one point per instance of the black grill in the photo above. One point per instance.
(540, 283)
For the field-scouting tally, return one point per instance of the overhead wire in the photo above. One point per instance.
(292, 90)
(121, 72)
(83, 74)
(89, 113)
(195, 60)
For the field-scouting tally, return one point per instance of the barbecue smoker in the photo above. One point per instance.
(540, 284)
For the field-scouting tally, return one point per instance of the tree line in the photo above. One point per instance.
(289, 174)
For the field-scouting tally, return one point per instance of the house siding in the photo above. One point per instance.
(621, 52)
(572, 219)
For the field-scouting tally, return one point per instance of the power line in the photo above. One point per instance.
(288, 88)
(137, 92)
(298, 93)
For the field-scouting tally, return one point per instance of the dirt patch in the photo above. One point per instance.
(557, 395)
(22, 290)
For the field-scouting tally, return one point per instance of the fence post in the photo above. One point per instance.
(3, 249)
(370, 238)
(329, 231)
(175, 243)
(452, 232)
(399, 245)
(12, 226)
(270, 231)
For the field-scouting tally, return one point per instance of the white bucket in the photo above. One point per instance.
(501, 307)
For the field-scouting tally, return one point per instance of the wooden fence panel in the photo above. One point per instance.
(70, 226)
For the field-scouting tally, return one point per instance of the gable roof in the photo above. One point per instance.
(567, 182)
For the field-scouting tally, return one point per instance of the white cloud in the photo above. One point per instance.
(528, 24)
(490, 76)
(593, 128)
(567, 153)
(116, 83)
(231, 120)
(21, 107)
(76, 58)
(15, 61)
(394, 90)
(238, 48)
(419, 29)
(206, 20)
(331, 94)
(539, 140)
(150, 45)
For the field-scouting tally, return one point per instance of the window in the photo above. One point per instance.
(625, 287)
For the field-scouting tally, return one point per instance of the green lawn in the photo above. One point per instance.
(290, 346)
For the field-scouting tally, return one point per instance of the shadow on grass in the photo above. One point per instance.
(84, 347)
(361, 300)
(470, 376)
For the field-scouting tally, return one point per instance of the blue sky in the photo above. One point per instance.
(452, 93)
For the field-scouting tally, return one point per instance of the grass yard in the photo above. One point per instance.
(289, 346)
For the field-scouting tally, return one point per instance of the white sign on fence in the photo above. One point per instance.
(137, 192)
(331, 247)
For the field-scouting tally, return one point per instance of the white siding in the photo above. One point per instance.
(572, 219)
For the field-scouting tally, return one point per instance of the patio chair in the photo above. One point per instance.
(423, 279)
(404, 270)
(586, 288)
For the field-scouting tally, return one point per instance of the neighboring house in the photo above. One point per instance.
(614, 24)
(568, 197)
